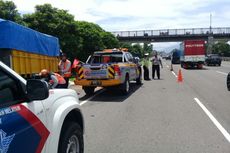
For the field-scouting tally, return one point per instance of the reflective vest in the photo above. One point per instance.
(60, 79)
(63, 65)
(146, 62)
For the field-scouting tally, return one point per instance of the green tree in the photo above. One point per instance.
(59, 23)
(91, 35)
(109, 40)
(147, 48)
(137, 50)
(8, 11)
(222, 48)
(126, 45)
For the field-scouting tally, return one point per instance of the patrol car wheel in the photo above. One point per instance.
(138, 80)
(126, 86)
(71, 139)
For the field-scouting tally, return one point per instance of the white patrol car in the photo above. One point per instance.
(34, 119)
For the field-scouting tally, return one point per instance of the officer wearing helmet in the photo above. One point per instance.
(55, 80)
(146, 63)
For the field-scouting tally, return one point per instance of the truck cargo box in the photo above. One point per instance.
(193, 53)
(26, 63)
(27, 51)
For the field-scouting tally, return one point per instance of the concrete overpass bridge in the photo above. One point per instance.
(173, 35)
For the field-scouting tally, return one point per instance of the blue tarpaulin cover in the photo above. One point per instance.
(18, 37)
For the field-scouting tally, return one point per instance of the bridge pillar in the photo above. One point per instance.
(210, 44)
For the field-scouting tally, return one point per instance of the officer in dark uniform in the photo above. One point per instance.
(156, 62)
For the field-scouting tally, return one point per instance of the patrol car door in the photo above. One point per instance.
(21, 122)
(132, 66)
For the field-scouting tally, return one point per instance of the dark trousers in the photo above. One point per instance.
(67, 82)
(146, 73)
(156, 68)
(61, 86)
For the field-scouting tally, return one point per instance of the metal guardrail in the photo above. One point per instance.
(174, 32)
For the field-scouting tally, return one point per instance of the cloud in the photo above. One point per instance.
(115, 15)
(132, 14)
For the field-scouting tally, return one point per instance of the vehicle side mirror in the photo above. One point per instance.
(228, 81)
(37, 89)
(136, 60)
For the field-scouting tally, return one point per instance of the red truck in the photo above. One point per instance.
(193, 53)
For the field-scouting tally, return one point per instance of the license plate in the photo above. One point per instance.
(96, 83)
(98, 73)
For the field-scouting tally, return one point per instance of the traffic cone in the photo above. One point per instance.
(179, 77)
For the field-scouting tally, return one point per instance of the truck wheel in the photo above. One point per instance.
(228, 81)
(71, 139)
(89, 90)
(126, 86)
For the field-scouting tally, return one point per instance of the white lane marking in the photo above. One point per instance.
(174, 74)
(214, 120)
(87, 100)
(166, 64)
(171, 71)
(222, 72)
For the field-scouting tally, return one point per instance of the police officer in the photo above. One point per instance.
(146, 63)
(65, 68)
(156, 62)
(55, 80)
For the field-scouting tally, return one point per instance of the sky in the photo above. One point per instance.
(122, 15)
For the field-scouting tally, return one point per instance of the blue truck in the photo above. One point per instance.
(176, 57)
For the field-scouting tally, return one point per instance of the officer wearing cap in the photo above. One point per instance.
(146, 64)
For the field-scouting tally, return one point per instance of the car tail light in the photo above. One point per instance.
(117, 70)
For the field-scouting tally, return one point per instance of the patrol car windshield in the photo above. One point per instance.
(106, 58)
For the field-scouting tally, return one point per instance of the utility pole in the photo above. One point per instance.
(210, 37)
(210, 22)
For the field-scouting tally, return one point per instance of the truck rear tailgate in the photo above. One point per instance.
(100, 71)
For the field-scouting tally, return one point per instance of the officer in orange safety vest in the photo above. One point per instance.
(64, 67)
(55, 80)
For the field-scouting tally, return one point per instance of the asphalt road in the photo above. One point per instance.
(162, 116)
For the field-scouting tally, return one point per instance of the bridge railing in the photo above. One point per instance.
(173, 32)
